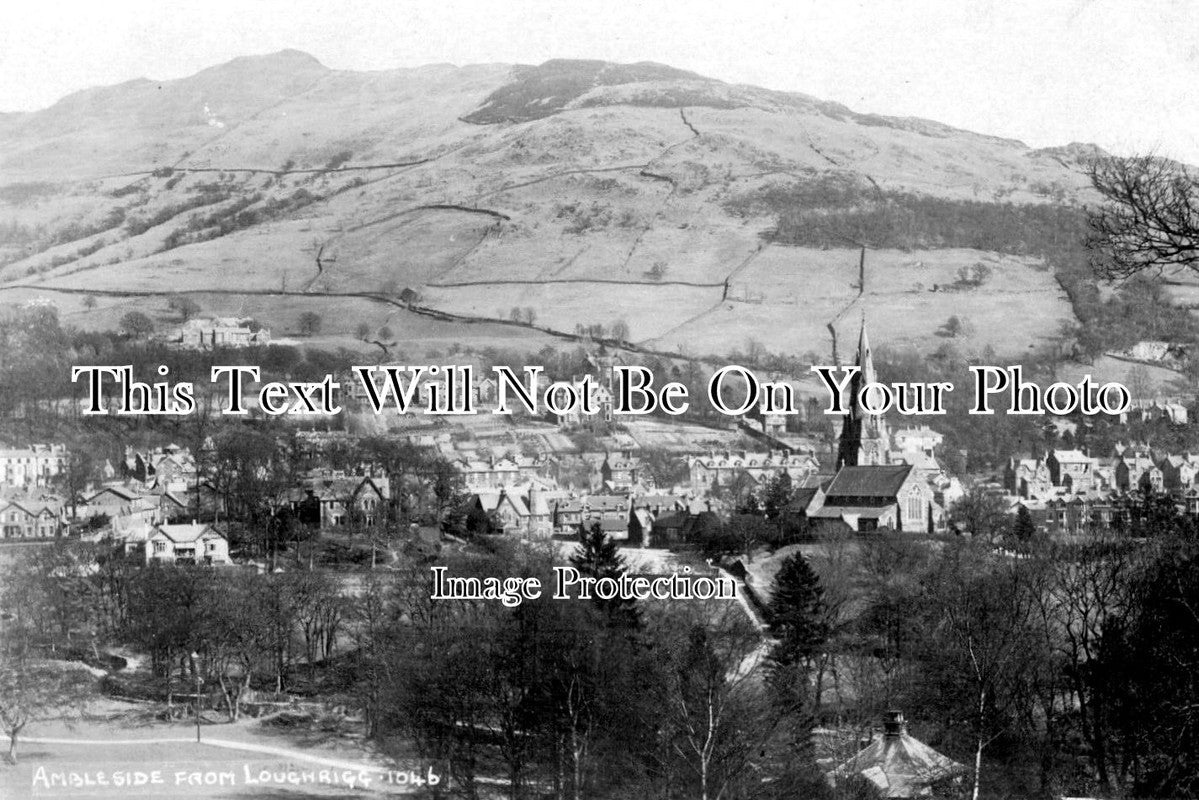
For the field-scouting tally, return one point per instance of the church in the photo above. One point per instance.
(868, 491)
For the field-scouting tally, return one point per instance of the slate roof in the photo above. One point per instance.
(870, 481)
(899, 765)
(186, 533)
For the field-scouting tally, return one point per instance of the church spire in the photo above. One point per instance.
(865, 357)
(864, 440)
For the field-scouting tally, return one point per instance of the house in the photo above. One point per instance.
(1027, 477)
(33, 466)
(601, 403)
(646, 510)
(1072, 470)
(899, 765)
(570, 513)
(1135, 471)
(670, 528)
(1178, 472)
(193, 543)
(921, 439)
(925, 464)
(198, 334)
(495, 473)
(620, 470)
(129, 501)
(41, 517)
(720, 470)
(333, 498)
(875, 497)
(169, 466)
(1077, 514)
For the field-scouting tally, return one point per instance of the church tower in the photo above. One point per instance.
(864, 437)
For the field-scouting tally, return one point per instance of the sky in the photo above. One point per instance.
(1119, 73)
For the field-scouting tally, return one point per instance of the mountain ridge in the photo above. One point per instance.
(489, 188)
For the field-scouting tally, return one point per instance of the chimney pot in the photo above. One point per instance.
(894, 726)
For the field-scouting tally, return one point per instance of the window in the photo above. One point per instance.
(160, 547)
(915, 505)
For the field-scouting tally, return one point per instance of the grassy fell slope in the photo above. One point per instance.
(587, 191)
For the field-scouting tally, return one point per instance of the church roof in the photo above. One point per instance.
(869, 481)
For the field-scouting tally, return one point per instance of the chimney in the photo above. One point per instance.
(894, 726)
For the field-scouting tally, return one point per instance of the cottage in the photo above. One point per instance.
(194, 543)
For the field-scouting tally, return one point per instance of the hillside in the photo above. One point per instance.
(706, 216)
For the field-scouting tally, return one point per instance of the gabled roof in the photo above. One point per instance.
(180, 534)
(870, 481)
(120, 491)
(801, 499)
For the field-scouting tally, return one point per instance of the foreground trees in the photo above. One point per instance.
(580, 699)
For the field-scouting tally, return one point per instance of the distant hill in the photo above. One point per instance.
(708, 217)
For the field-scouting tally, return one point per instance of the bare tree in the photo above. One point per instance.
(718, 715)
(1150, 220)
(30, 690)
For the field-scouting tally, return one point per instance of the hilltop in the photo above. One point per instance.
(707, 217)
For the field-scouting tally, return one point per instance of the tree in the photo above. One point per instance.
(89, 302)
(386, 334)
(718, 721)
(599, 557)
(1139, 382)
(620, 330)
(362, 331)
(31, 690)
(955, 326)
(1149, 660)
(796, 614)
(1150, 220)
(979, 646)
(1025, 528)
(775, 497)
(136, 325)
(980, 513)
(309, 323)
(184, 306)
(798, 621)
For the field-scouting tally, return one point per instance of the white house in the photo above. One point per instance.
(194, 543)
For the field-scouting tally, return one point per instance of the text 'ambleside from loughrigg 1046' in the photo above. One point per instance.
(632, 390)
